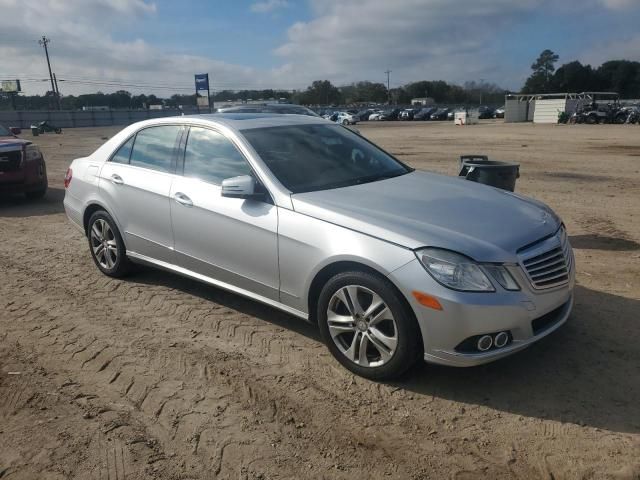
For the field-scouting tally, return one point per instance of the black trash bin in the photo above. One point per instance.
(478, 168)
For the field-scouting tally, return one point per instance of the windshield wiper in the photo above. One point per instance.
(351, 182)
(377, 177)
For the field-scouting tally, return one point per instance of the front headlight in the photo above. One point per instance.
(454, 270)
(32, 152)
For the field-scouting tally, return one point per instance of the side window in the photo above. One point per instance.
(154, 146)
(123, 153)
(211, 157)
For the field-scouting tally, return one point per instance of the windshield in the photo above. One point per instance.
(307, 158)
(4, 132)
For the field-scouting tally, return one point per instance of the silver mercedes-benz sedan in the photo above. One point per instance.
(311, 218)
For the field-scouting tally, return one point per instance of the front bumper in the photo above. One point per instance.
(467, 314)
(31, 177)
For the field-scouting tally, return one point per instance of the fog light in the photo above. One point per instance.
(484, 343)
(501, 339)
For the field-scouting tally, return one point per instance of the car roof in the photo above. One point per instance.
(235, 121)
(245, 121)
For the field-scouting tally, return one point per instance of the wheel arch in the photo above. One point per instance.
(92, 207)
(340, 266)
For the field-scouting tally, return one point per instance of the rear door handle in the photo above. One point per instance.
(182, 199)
(117, 179)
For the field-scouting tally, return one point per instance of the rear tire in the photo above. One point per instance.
(106, 245)
(37, 194)
(367, 326)
(620, 119)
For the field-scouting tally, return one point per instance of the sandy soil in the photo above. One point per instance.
(160, 377)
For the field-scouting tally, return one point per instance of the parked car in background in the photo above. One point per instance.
(391, 114)
(22, 166)
(377, 115)
(485, 112)
(346, 118)
(499, 112)
(281, 108)
(424, 113)
(440, 114)
(392, 264)
(407, 114)
(364, 114)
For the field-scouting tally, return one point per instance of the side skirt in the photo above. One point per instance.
(139, 258)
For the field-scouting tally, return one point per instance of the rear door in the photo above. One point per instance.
(136, 182)
(231, 240)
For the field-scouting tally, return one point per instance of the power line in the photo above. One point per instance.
(83, 80)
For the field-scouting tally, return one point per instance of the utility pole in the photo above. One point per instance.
(43, 42)
(55, 82)
(388, 72)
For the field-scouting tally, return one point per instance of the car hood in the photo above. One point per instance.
(12, 143)
(422, 209)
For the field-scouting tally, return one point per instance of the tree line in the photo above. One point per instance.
(123, 99)
(622, 76)
(320, 92)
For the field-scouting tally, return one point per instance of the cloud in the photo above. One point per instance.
(415, 38)
(343, 41)
(82, 49)
(268, 6)
(624, 49)
(620, 4)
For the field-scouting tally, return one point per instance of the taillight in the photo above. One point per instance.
(67, 178)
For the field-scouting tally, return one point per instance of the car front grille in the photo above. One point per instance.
(10, 161)
(548, 264)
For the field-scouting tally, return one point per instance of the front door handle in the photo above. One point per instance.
(117, 179)
(182, 199)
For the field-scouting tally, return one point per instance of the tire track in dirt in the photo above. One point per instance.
(169, 348)
(152, 397)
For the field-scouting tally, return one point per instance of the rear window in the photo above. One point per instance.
(154, 147)
(123, 153)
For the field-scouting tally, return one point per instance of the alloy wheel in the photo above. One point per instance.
(104, 244)
(362, 326)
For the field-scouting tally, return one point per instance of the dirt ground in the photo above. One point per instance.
(157, 376)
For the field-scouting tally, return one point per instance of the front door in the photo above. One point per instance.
(231, 240)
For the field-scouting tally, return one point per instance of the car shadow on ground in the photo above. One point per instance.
(151, 276)
(603, 242)
(20, 206)
(584, 373)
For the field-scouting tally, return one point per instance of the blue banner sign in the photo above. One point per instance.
(202, 81)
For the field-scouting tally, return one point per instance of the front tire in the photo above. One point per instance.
(367, 326)
(106, 245)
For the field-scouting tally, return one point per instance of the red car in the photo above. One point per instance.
(22, 167)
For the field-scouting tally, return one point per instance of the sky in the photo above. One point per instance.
(156, 46)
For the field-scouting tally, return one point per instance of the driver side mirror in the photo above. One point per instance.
(244, 186)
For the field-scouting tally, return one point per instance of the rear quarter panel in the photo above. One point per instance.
(83, 189)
